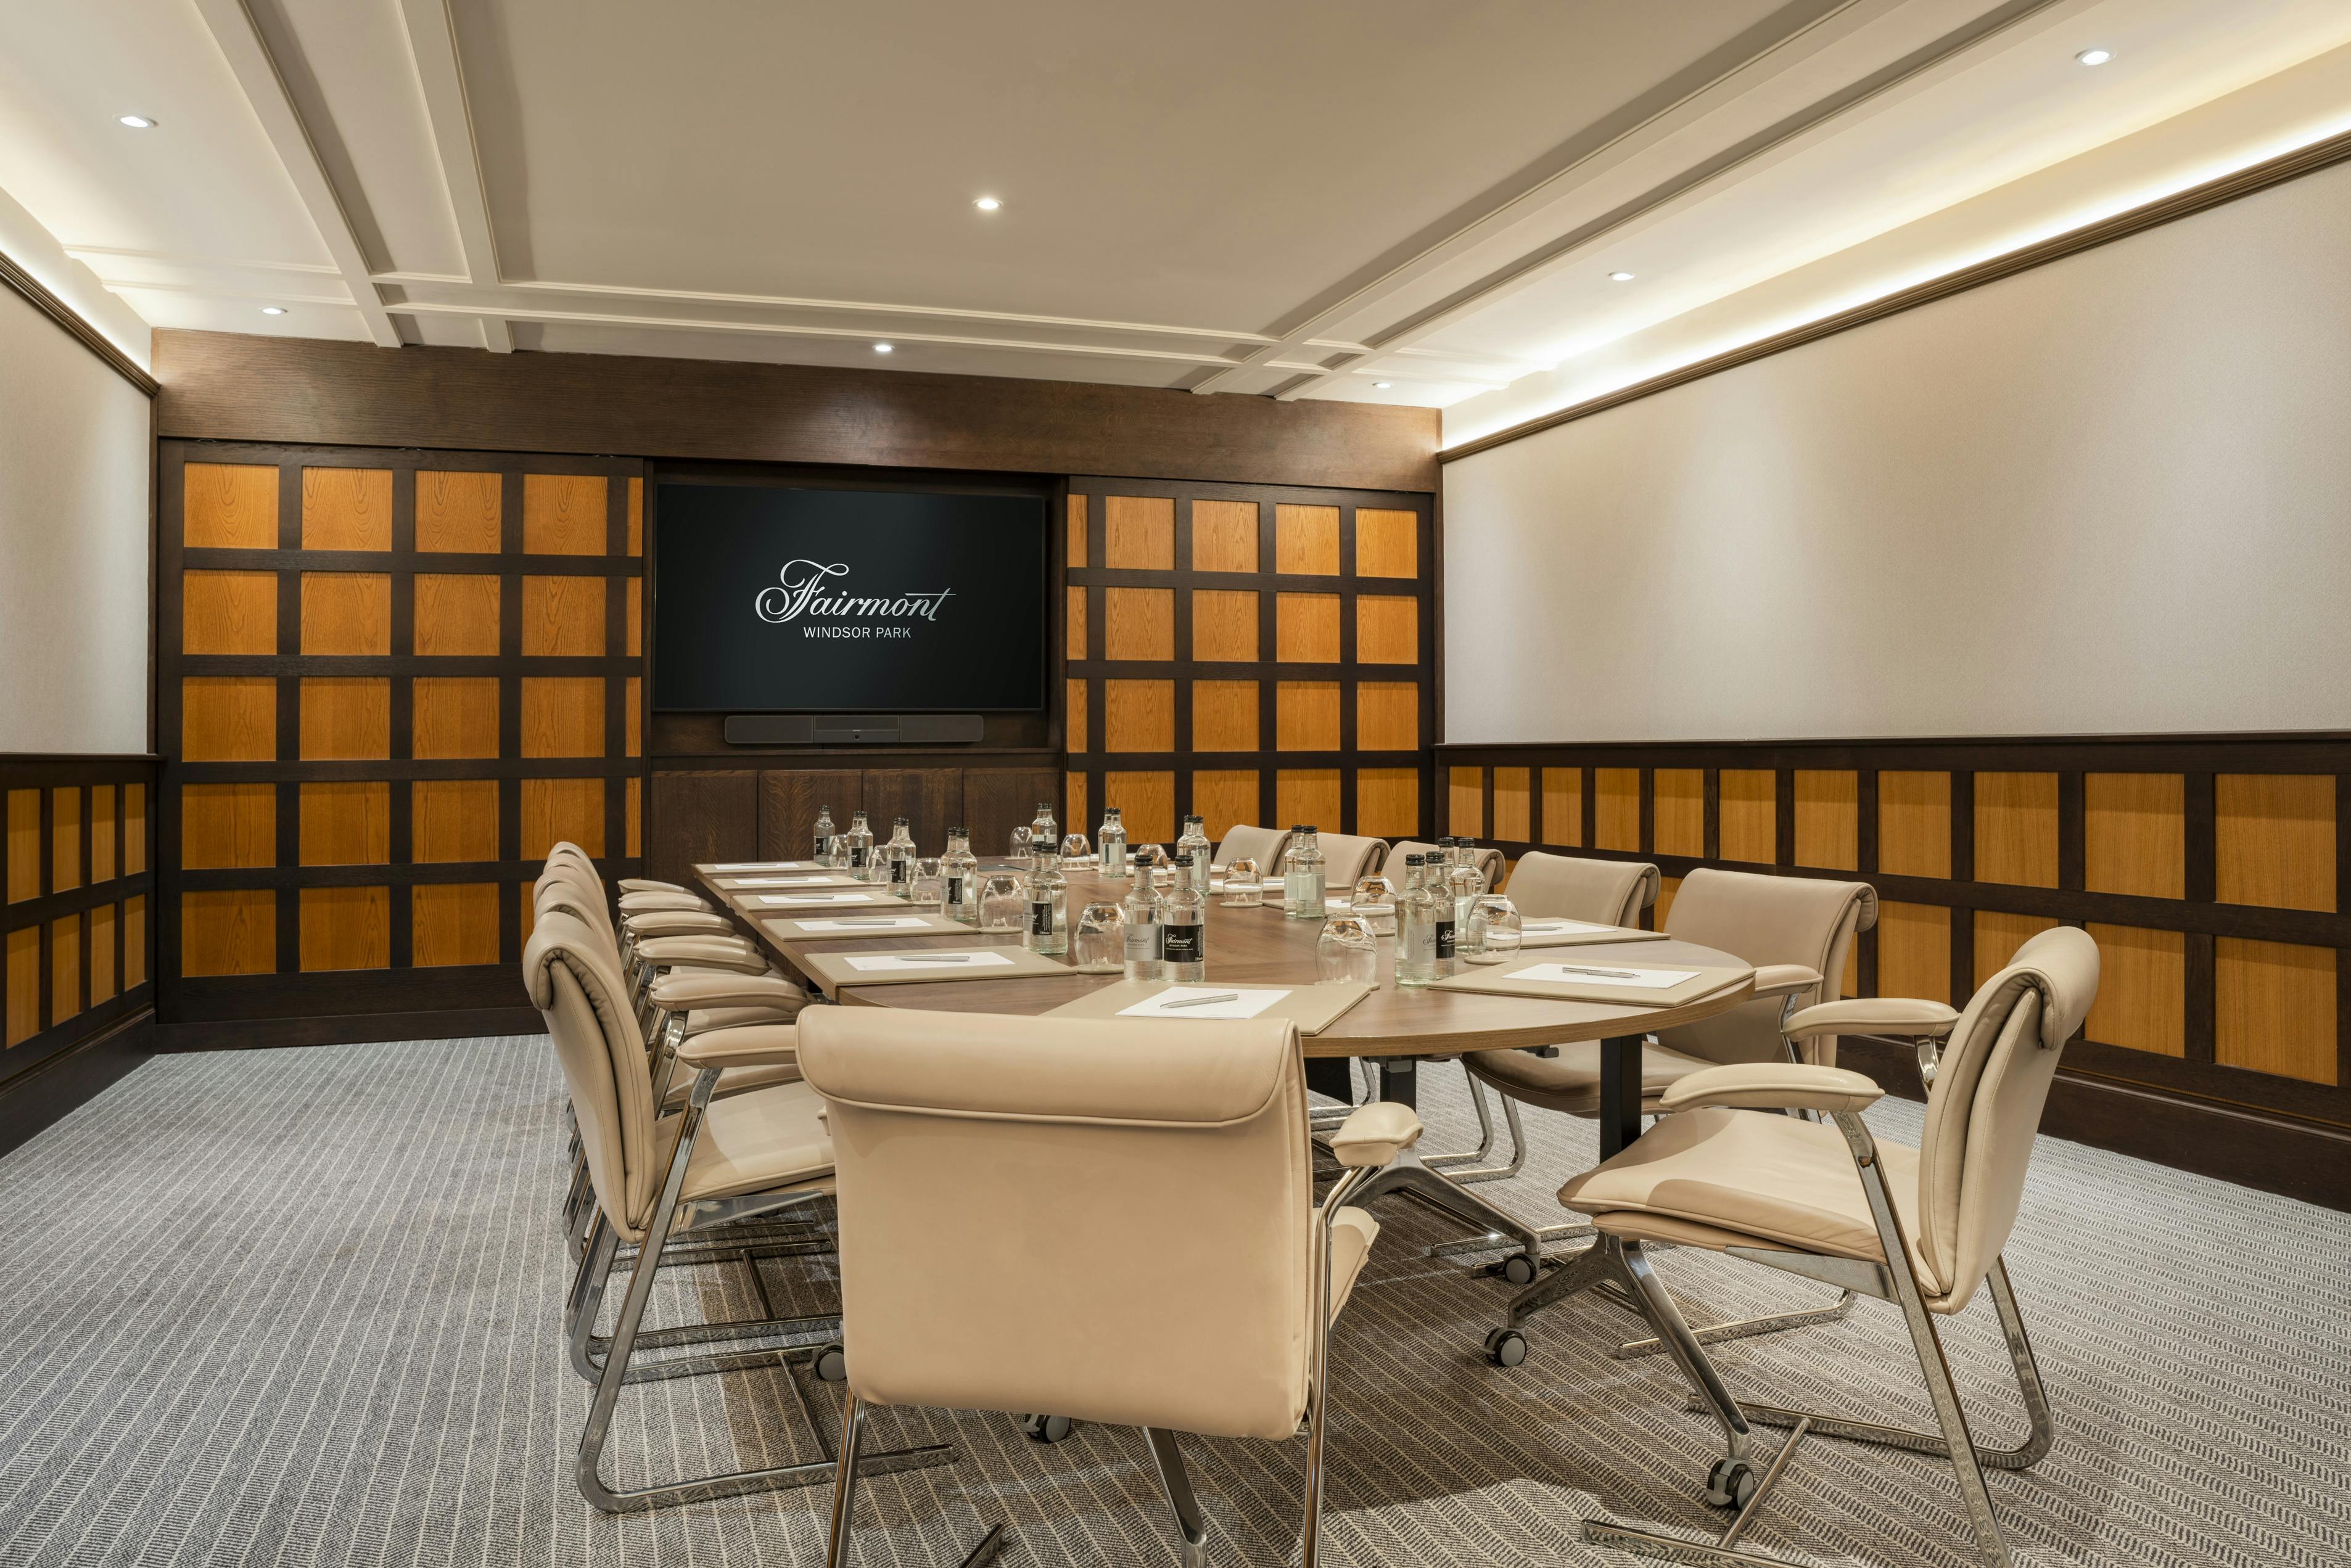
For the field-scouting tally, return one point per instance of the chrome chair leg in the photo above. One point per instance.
(1485, 1135)
(1746, 1328)
(1191, 1529)
(844, 1481)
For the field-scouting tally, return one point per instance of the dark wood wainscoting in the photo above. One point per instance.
(78, 984)
(715, 812)
(2211, 872)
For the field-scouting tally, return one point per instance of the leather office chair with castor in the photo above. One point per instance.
(1113, 1220)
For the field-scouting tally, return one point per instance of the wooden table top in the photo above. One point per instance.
(1259, 946)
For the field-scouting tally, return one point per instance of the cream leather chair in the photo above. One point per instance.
(1113, 1220)
(1347, 859)
(1264, 845)
(1921, 1228)
(1490, 863)
(659, 1178)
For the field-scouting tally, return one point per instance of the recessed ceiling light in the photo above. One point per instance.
(273, 310)
(884, 348)
(1620, 278)
(2095, 56)
(1384, 386)
(987, 204)
(136, 121)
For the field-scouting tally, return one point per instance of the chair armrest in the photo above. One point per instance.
(648, 885)
(677, 922)
(1908, 1016)
(1784, 979)
(1772, 1086)
(1376, 1133)
(746, 1045)
(694, 991)
(647, 903)
(704, 953)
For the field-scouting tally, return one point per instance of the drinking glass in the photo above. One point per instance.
(1495, 922)
(1347, 951)
(836, 852)
(1375, 905)
(1101, 939)
(929, 889)
(1074, 849)
(1004, 902)
(1243, 888)
(1021, 848)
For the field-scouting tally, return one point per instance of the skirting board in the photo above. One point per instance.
(73, 1077)
(348, 1029)
(2252, 1148)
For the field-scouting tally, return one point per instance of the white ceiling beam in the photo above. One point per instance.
(433, 40)
(240, 42)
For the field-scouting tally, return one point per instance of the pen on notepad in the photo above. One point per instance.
(1604, 974)
(1198, 1002)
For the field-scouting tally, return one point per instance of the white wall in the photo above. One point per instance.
(2112, 495)
(73, 543)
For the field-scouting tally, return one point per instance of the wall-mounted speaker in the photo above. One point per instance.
(854, 729)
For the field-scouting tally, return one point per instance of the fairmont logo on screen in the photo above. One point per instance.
(806, 591)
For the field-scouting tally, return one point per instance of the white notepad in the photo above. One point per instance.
(808, 880)
(880, 962)
(1246, 1003)
(1605, 974)
(803, 900)
(768, 865)
(869, 922)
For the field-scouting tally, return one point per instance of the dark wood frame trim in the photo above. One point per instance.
(40, 298)
(2201, 198)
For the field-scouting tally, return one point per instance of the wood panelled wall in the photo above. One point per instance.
(76, 866)
(387, 681)
(1251, 653)
(718, 813)
(2211, 873)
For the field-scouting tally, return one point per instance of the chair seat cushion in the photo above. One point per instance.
(1353, 1231)
(760, 1141)
(1570, 1081)
(1719, 1179)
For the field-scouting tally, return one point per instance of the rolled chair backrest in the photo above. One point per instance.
(1570, 887)
(573, 982)
(1491, 864)
(1767, 920)
(1158, 1272)
(1264, 845)
(581, 891)
(1986, 1102)
(1347, 859)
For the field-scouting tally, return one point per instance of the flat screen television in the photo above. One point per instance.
(775, 598)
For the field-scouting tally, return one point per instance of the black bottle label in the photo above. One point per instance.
(953, 892)
(897, 873)
(1186, 943)
(1041, 917)
(857, 853)
(822, 840)
(1444, 940)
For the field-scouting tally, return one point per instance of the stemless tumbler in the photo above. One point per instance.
(1347, 951)
(1498, 930)
(929, 889)
(1243, 888)
(1004, 902)
(1100, 940)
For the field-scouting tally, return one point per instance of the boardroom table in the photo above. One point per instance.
(1396, 1028)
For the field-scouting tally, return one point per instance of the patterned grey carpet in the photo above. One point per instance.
(299, 1308)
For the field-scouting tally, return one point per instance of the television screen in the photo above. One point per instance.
(771, 599)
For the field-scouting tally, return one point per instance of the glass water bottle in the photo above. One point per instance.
(1465, 885)
(1049, 897)
(1416, 926)
(1045, 833)
(898, 858)
(1145, 930)
(1111, 842)
(1194, 844)
(824, 831)
(1186, 922)
(861, 849)
(1301, 878)
(959, 878)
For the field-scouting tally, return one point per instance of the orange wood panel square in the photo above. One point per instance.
(1914, 830)
(1225, 799)
(1388, 630)
(2273, 839)
(1387, 542)
(134, 941)
(2142, 1002)
(1074, 625)
(1139, 716)
(1465, 801)
(1914, 951)
(229, 506)
(64, 839)
(346, 612)
(228, 613)
(1562, 807)
(631, 818)
(1139, 624)
(632, 643)
(24, 844)
(134, 829)
(455, 717)
(1828, 818)
(1309, 795)
(1306, 715)
(1139, 533)
(563, 617)
(1224, 715)
(2135, 835)
(1677, 822)
(347, 508)
(65, 968)
(2273, 1009)
(1073, 715)
(1387, 716)
(226, 826)
(1306, 540)
(101, 832)
(456, 615)
(1224, 625)
(1387, 802)
(24, 983)
(633, 717)
(1513, 805)
(2016, 829)
(563, 514)
(453, 923)
(345, 717)
(1073, 531)
(1073, 800)
(348, 822)
(453, 820)
(1747, 802)
(1617, 808)
(562, 716)
(346, 927)
(555, 810)
(232, 931)
(1146, 803)
(101, 954)
(228, 718)
(1223, 535)
(1997, 935)
(636, 509)
(1306, 628)
(457, 511)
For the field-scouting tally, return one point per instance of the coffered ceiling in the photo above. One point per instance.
(1384, 200)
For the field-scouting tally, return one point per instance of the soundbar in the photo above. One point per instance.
(853, 729)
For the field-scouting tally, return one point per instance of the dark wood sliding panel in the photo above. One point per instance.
(2210, 872)
(387, 682)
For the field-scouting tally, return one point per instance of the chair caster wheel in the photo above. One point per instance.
(1518, 1268)
(1047, 1428)
(1506, 1347)
(1731, 1484)
(831, 1363)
